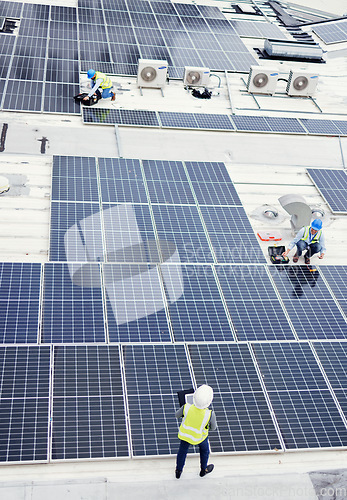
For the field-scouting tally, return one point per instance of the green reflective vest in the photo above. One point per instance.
(106, 82)
(306, 236)
(194, 426)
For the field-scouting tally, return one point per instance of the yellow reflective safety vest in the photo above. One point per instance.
(194, 428)
(106, 82)
(306, 236)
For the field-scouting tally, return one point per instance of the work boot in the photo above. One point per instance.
(307, 260)
(296, 258)
(178, 473)
(113, 96)
(208, 469)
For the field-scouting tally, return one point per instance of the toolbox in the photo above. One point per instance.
(275, 254)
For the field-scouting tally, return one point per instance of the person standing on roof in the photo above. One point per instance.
(197, 419)
(310, 238)
(100, 80)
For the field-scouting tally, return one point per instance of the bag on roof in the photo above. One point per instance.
(79, 98)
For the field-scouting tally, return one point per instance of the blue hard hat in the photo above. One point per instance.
(316, 224)
(91, 73)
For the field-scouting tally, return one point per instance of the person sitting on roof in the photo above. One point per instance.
(197, 419)
(310, 238)
(100, 80)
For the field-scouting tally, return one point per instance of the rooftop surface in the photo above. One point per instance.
(263, 167)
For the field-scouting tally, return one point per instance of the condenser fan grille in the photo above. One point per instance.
(148, 74)
(300, 83)
(260, 80)
(193, 77)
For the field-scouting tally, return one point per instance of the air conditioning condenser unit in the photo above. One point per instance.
(196, 77)
(151, 73)
(301, 83)
(262, 80)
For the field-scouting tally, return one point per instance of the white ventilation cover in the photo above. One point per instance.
(301, 83)
(262, 80)
(196, 77)
(151, 73)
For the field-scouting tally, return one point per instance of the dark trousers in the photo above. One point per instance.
(311, 249)
(183, 450)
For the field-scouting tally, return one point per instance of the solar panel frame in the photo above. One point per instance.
(320, 127)
(332, 185)
(84, 242)
(334, 275)
(72, 307)
(198, 314)
(254, 308)
(332, 32)
(121, 181)
(332, 356)
(182, 226)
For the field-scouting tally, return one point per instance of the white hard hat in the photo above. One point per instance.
(202, 397)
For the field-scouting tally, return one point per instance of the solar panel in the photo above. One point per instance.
(153, 375)
(336, 277)
(198, 314)
(257, 29)
(65, 31)
(181, 225)
(212, 184)
(320, 127)
(135, 305)
(311, 308)
(28, 46)
(120, 117)
(286, 125)
(167, 182)
(88, 427)
(143, 20)
(58, 48)
(117, 18)
(231, 235)
(36, 11)
(303, 405)
(74, 179)
(72, 310)
(6, 48)
(254, 123)
(33, 27)
(99, 32)
(127, 229)
(255, 311)
(57, 67)
(163, 8)
(243, 418)
(63, 14)
(76, 233)
(27, 68)
(90, 16)
(11, 9)
(24, 403)
(123, 34)
(341, 125)
(20, 301)
(332, 355)
(208, 11)
(4, 65)
(332, 32)
(121, 181)
(332, 185)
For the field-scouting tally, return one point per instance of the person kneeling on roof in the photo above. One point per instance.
(100, 80)
(197, 419)
(310, 238)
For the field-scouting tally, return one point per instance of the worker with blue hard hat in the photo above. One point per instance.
(197, 419)
(100, 80)
(310, 238)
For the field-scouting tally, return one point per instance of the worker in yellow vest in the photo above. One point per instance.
(100, 80)
(309, 238)
(197, 419)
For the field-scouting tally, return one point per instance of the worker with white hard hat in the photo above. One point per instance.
(310, 238)
(99, 79)
(197, 419)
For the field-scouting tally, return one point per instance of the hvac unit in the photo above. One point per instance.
(301, 83)
(262, 80)
(196, 77)
(151, 73)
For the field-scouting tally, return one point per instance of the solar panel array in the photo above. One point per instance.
(39, 64)
(210, 121)
(332, 184)
(253, 29)
(41, 60)
(147, 293)
(332, 32)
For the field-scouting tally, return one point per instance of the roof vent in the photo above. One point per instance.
(293, 50)
(4, 185)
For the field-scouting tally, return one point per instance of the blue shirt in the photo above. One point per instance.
(300, 235)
